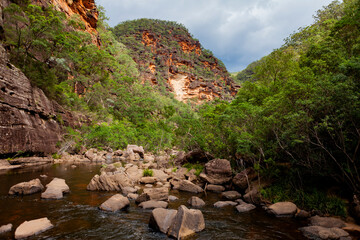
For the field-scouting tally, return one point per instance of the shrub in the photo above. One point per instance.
(148, 173)
(197, 166)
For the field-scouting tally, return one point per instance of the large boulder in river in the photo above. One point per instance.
(26, 188)
(243, 179)
(55, 189)
(157, 194)
(318, 232)
(217, 171)
(161, 219)
(115, 203)
(30, 228)
(283, 209)
(109, 181)
(186, 222)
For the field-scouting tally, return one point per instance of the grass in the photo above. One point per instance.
(148, 173)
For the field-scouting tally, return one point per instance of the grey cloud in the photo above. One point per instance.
(236, 31)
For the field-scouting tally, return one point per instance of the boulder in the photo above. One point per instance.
(132, 196)
(134, 173)
(55, 189)
(196, 202)
(253, 196)
(244, 178)
(172, 198)
(318, 232)
(149, 158)
(142, 198)
(328, 222)
(153, 204)
(127, 190)
(109, 181)
(161, 219)
(148, 185)
(180, 173)
(231, 195)
(148, 180)
(33, 227)
(115, 203)
(217, 171)
(132, 149)
(187, 186)
(186, 222)
(157, 193)
(6, 228)
(215, 188)
(190, 175)
(245, 207)
(221, 204)
(283, 209)
(160, 175)
(26, 188)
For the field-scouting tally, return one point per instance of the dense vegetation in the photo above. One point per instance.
(296, 119)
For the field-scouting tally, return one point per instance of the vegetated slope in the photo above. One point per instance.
(297, 119)
(171, 59)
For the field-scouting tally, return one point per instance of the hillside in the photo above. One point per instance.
(170, 58)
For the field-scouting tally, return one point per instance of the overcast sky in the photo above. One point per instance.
(237, 31)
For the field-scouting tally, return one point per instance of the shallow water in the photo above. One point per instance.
(77, 216)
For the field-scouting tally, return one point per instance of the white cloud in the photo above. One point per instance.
(236, 31)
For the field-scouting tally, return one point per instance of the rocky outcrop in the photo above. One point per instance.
(168, 56)
(115, 203)
(26, 188)
(217, 171)
(30, 228)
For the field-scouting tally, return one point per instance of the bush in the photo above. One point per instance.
(148, 173)
(198, 167)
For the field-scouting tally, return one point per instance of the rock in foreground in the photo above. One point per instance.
(161, 219)
(115, 203)
(26, 188)
(55, 189)
(30, 228)
(186, 222)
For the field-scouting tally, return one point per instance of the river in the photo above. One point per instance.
(77, 216)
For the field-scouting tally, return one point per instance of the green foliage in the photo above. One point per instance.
(198, 167)
(148, 173)
(117, 165)
(309, 199)
(56, 156)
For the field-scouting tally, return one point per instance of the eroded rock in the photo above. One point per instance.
(217, 171)
(26, 188)
(33, 227)
(243, 179)
(157, 193)
(115, 203)
(161, 219)
(196, 202)
(55, 189)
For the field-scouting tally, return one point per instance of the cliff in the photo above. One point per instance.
(169, 57)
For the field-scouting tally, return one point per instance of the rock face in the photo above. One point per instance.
(176, 62)
(196, 202)
(26, 188)
(186, 222)
(115, 203)
(283, 209)
(161, 219)
(55, 189)
(30, 228)
(217, 171)
(27, 116)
